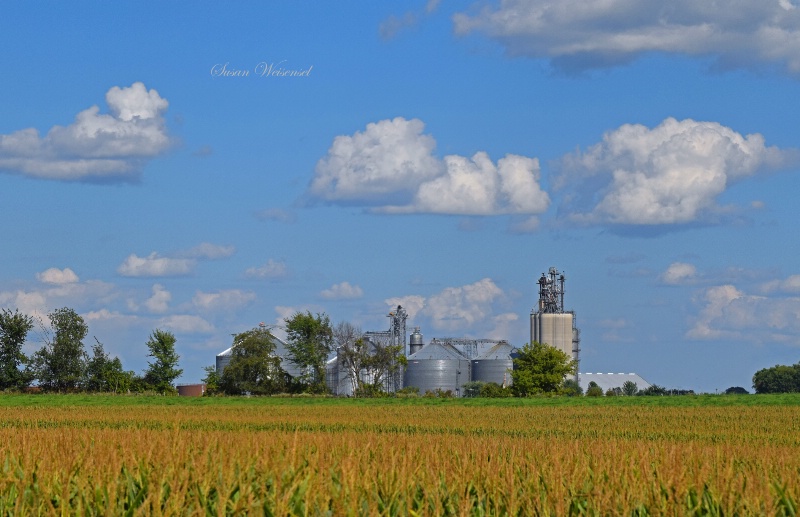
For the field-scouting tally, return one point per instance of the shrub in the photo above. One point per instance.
(594, 390)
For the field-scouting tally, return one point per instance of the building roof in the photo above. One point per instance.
(498, 351)
(436, 350)
(607, 381)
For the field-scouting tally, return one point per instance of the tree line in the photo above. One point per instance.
(63, 364)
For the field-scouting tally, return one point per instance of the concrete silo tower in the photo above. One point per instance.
(550, 323)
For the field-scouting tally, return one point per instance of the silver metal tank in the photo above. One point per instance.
(336, 378)
(223, 360)
(553, 329)
(495, 365)
(437, 366)
(415, 341)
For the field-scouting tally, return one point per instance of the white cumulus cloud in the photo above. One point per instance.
(159, 301)
(60, 291)
(272, 269)
(458, 308)
(787, 285)
(32, 303)
(186, 323)
(730, 313)
(413, 304)
(57, 276)
(387, 159)
(504, 325)
(223, 300)
(475, 186)
(468, 308)
(670, 174)
(391, 168)
(96, 146)
(105, 315)
(342, 291)
(584, 34)
(280, 215)
(679, 273)
(154, 265)
(206, 250)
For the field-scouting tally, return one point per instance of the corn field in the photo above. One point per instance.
(332, 457)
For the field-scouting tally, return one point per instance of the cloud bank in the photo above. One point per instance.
(730, 313)
(155, 265)
(577, 35)
(96, 146)
(181, 263)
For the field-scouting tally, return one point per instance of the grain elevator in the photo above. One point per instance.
(550, 323)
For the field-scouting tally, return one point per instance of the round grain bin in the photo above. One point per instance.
(337, 379)
(223, 360)
(495, 365)
(437, 367)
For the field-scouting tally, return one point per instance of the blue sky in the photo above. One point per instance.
(441, 155)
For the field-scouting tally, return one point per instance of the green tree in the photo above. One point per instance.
(14, 329)
(736, 390)
(629, 388)
(492, 390)
(162, 372)
(254, 368)
(653, 390)
(372, 366)
(352, 351)
(104, 374)
(60, 363)
(778, 379)
(540, 368)
(472, 389)
(572, 388)
(211, 380)
(309, 342)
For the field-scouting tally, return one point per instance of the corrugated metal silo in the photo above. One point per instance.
(495, 365)
(223, 360)
(336, 378)
(437, 366)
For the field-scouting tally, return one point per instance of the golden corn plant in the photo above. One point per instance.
(329, 457)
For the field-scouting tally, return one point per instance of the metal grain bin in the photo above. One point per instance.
(437, 367)
(223, 360)
(336, 378)
(495, 365)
